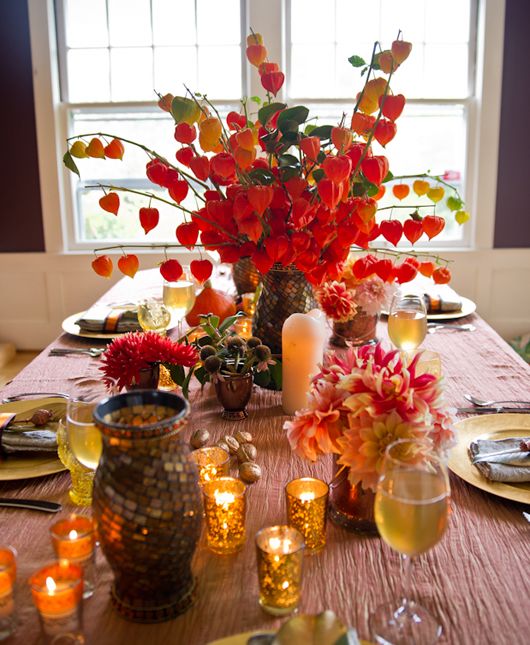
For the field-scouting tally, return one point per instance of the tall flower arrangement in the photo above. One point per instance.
(272, 184)
(361, 402)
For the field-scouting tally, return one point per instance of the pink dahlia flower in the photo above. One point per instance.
(337, 301)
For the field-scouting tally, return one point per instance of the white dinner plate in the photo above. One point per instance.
(468, 307)
(489, 426)
(24, 465)
(70, 327)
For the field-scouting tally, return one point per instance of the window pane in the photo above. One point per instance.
(407, 15)
(357, 22)
(173, 67)
(220, 72)
(88, 75)
(450, 25)
(129, 22)
(218, 22)
(446, 70)
(311, 23)
(86, 23)
(312, 71)
(174, 22)
(132, 74)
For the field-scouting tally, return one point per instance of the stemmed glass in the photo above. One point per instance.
(411, 511)
(407, 321)
(179, 298)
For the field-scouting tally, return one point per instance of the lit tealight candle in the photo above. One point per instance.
(74, 540)
(303, 340)
(213, 462)
(224, 507)
(279, 555)
(57, 592)
(8, 574)
(307, 500)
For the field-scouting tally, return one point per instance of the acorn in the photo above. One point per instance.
(199, 438)
(243, 437)
(232, 443)
(247, 452)
(224, 446)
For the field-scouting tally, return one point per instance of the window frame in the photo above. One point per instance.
(52, 115)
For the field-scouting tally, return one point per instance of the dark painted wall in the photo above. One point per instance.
(20, 206)
(20, 203)
(512, 219)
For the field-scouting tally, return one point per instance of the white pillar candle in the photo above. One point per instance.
(303, 340)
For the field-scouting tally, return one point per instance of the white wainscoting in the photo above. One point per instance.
(40, 290)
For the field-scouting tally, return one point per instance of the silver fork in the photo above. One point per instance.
(433, 327)
(92, 351)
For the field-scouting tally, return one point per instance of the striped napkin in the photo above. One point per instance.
(110, 319)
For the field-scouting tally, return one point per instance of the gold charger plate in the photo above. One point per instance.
(241, 639)
(468, 307)
(489, 426)
(70, 327)
(24, 466)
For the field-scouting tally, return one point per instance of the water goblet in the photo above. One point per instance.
(179, 298)
(407, 321)
(411, 512)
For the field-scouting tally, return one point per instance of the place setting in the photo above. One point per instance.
(290, 427)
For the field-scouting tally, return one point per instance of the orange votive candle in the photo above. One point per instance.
(57, 589)
(73, 538)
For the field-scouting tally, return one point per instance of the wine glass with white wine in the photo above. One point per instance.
(179, 298)
(407, 321)
(411, 512)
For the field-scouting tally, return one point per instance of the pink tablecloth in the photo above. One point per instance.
(475, 580)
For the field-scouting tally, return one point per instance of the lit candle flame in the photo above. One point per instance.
(277, 544)
(73, 535)
(50, 585)
(285, 584)
(307, 497)
(223, 498)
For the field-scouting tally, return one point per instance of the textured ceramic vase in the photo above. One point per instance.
(147, 506)
(233, 393)
(351, 506)
(245, 275)
(359, 330)
(285, 291)
(148, 379)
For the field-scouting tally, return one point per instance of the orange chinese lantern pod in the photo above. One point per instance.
(128, 264)
(254, 39)
(375, 169)
(185, 133)
(401, 191)
(435, 194)
(341, 138)
(426, 269)
(337, 168)
(187, 234)
(386, 61)
(420, 187)
(178, 190)
(380, 193)
(385, 131)
(310, 146)
(103, 266)
(413, 230)
(78, 149)
(110, 203)
(223, 165)
(366, 208)
(433, 225)
(211, 129)
(272, 81)
(200, 166)
(392, 105)
(244, 158)
(95, 149)
(391, 230)
(400, 50)
(266, 68)
(442, 275)
(171, 270)
(114, 150)
(374, 89)
(185, 155)
(256, 54)
(362, 123)
(246, 139)
(330, 192)
(260, 198)
(149, 218)
(201, 270)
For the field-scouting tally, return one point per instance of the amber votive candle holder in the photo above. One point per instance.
(224, 508)
(74, 539)
(307, 500)
(280, 556)
(213, 462)
(57, 591)
(8, 574)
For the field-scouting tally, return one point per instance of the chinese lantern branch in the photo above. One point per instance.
(426, 175)
(400, 253)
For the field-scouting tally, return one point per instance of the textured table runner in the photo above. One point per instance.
(475, 580)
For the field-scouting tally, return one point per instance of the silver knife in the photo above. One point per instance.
(31, 504)
(500, 409)
(25, 395)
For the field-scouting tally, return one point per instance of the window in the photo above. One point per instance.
(114, 53)
(437, 79)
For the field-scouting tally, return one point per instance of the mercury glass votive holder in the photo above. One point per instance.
(57, 591)
(74, 539)
(307, 500)
(224, 509)
(280, 557)
(8, 574)
(213, 462)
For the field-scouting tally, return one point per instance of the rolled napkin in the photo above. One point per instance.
(28, 441)
(108, 319)
(442, 301)
(33, 430)
(513, 467)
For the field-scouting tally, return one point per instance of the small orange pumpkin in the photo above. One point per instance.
(211, 301)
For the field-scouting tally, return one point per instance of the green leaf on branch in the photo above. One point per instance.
(372, 190)
(228, 322)
(256, 100)
(322, 132)
(265, 113)
(288, 160)
(318, 174)
(177, 373)
(291, 118)
(69, 162)
(289, 172)
(356, 61)
(389, 177)
(308, 130)
(262, 176)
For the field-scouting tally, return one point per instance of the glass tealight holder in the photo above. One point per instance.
(74, 539)
(280, 556)
(82, 477)
(8, 574)
(429, 363)
(213, 462)
(307, 500)
(224, 509)
(57, 591)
